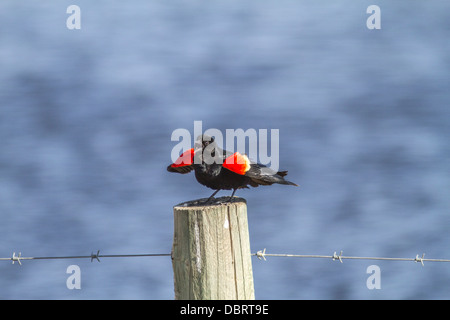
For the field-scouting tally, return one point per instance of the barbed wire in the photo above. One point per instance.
(340, 257)
(18, 258)
(261, 255)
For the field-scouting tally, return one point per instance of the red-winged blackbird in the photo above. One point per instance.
(222, 170)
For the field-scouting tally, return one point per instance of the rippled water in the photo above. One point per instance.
(86, 119)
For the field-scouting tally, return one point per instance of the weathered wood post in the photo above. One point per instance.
(211, 255)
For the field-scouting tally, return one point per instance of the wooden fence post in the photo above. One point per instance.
(211, 255)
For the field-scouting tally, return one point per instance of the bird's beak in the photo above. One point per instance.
(198, 147)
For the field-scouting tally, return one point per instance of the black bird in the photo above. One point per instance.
(223, 170)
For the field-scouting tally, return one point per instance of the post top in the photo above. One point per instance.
(222, 201)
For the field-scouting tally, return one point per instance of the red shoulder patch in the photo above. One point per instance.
(237, 163)
(186, 159)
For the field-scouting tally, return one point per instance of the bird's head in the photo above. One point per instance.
(205, 150)
(202, 142)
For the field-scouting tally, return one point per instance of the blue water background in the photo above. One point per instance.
(86, 118)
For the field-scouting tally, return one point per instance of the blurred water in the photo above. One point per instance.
(86, 118)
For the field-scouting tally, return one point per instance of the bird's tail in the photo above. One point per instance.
(283, 181)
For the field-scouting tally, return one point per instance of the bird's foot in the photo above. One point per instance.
(210, 200)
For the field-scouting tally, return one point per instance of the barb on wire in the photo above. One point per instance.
(338, 257)
(261, 254)
(95, 256)
(417, 259)
(15, 258)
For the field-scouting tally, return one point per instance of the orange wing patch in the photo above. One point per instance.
(237, 163)
(186, 159)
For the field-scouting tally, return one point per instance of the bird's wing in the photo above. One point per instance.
(237, 163)
(258, 173)
(184, 164)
